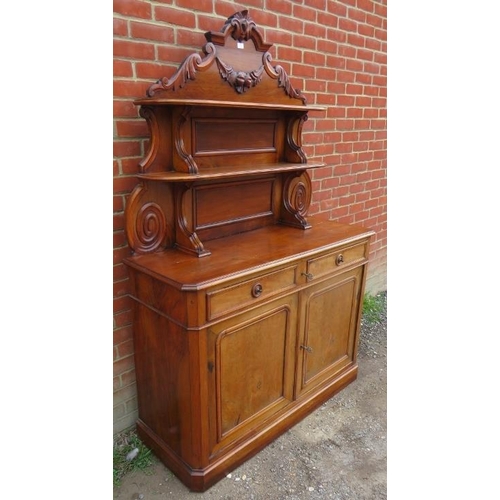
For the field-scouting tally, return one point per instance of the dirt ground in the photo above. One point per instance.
(338, 452)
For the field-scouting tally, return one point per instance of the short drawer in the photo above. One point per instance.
(335, 261)
(244, 294)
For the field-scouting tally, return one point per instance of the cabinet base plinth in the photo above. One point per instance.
(200, 480)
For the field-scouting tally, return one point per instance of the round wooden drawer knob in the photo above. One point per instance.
(340, 259)
(257, 290)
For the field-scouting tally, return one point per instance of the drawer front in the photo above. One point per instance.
(244, 294)
(335, 261)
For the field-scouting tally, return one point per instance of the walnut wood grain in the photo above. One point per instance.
(246, 310)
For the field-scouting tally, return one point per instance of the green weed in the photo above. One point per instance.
(123, 444)
(373, 307)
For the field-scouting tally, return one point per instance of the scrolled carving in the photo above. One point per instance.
(187, 71)
(146, 222)
(278, 72)
(294, 138)
(297, 194)
(241, 81)
(192, 167)
(151, 227)
(242, 25)
(154, 133)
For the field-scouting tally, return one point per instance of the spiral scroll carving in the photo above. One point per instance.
(191, 65)
(298, 196)
(151, 227)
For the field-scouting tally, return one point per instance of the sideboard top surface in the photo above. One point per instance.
(245, 253)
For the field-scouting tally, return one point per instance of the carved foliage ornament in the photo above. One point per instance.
(242, 29)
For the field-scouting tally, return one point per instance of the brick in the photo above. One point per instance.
(118, 203)
(304, 12)
(126, 148)
(353, 65)
(201, 5)
(366, 55)
(121, 287)
(336, 87)
(123, 318)
(280, 37)
(322, 172)
(289, 54)
(296, 26)
(348, 25)
(148, 31)
(345, 124)
(366, 5)
(328, 19)
(130, 166)
(370, 90)
(375, 21)
(381, 34)
(189, 38)
(345, 100)
(120, 27)
(354, 89)
(303, 70)
(370, 113)
(315, 86)
(356, 40)
(123, 184)
(363, 78)
(347, 51)
(356, 15)
(279, 6)
(345, 76)
(152, 71)
(175, 16)
(366, 30)
(132, 8)
(128, 378)
(132, 128)
(123, 365)
(372, 44)
(118, 412)
(124, 394)
(124, 108)
(360, 146)
(336, 62)
(125, 349)
(315, 30)
(120, 272)
(122, 68)
(337, 8)
(133, 50)
(366, 135)
(118, 255)
(306, 42)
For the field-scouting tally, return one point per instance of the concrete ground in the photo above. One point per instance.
(338, 452)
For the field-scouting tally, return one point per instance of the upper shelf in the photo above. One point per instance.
(222, 104)
(228, 172)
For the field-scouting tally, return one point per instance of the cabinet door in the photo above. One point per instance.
(329, 314)
(251, 369)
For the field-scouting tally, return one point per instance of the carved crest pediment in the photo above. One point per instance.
(241, 28)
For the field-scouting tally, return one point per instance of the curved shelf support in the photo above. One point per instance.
(186, 238)
(147, 219)
(297, 193)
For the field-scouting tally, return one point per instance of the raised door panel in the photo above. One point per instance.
(251, 365)
(329, 319)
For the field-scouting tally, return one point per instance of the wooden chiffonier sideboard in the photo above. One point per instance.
(246, 312)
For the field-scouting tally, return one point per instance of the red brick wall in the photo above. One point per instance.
(334, 51)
